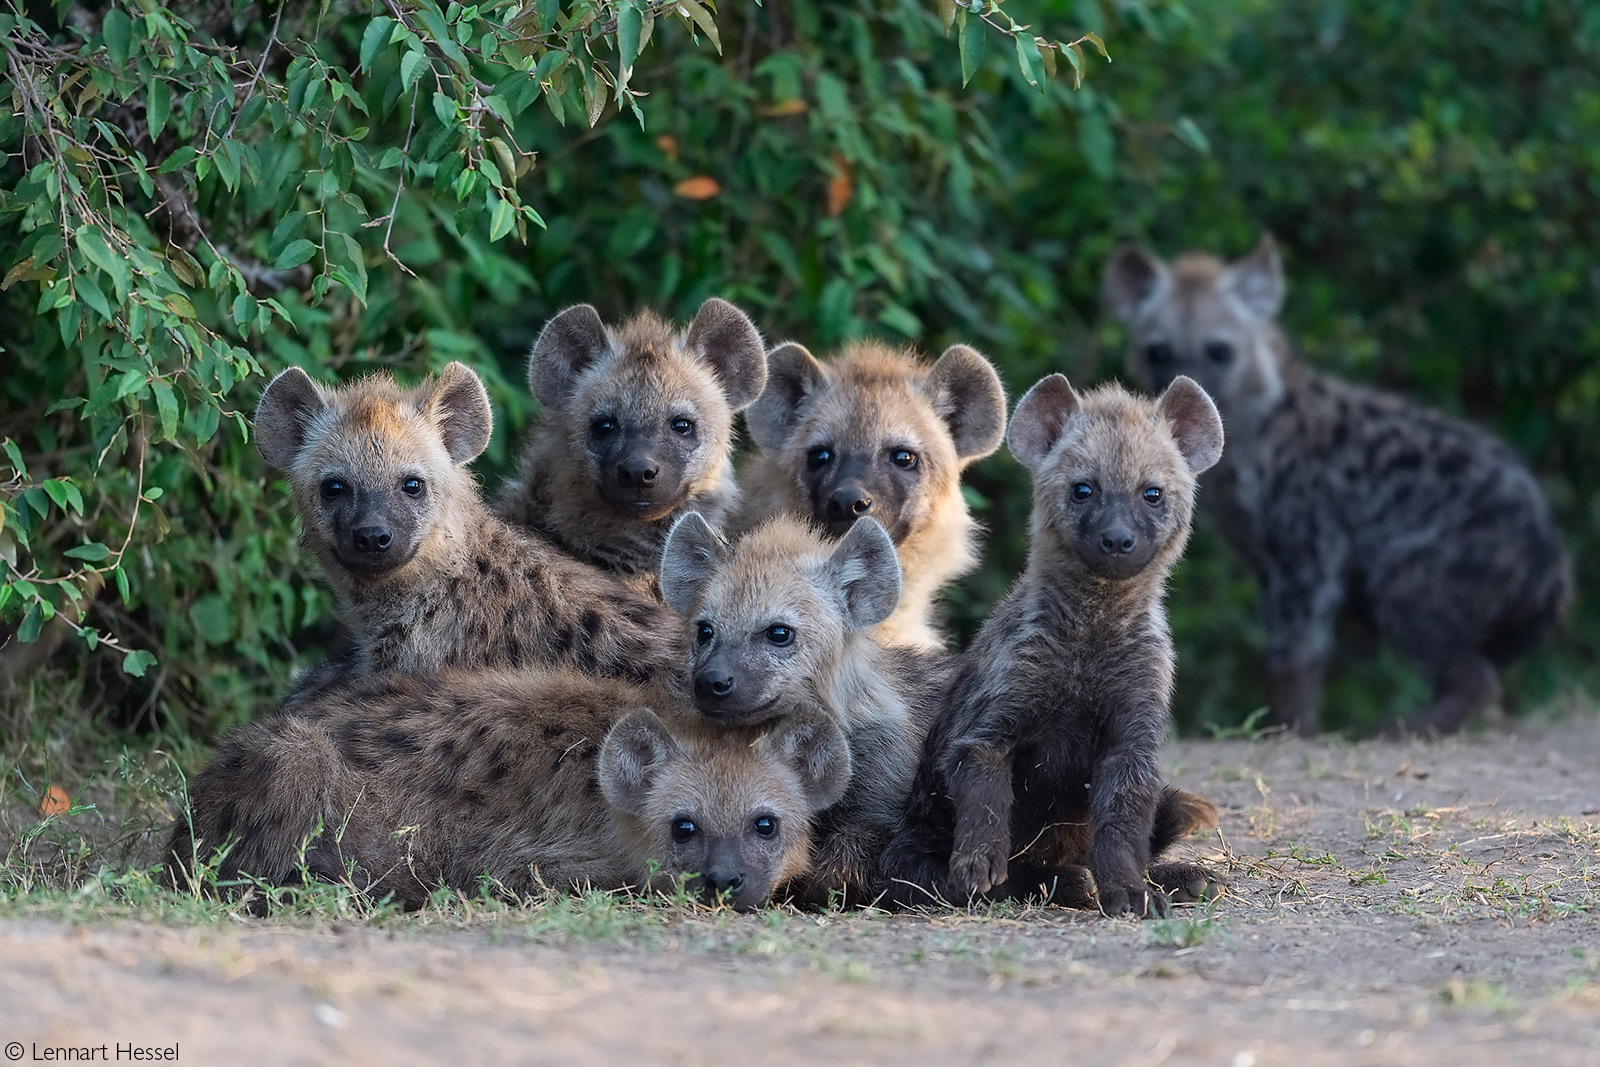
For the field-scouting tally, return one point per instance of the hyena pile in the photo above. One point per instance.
(629, 675)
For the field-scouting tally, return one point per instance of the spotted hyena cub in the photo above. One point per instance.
(637, 429)
(1339, 494)
(783, 623)
(879, 432)
(426, 577)
(1041, 772)
(515, 780)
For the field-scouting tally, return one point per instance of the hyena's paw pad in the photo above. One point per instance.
(978, 868)
(1187, 883)
(1140, 901)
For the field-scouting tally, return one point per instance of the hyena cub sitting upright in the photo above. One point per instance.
(636, 429)
(1336, 493)
(878, 432)
(403, 784)
(1044, 758)
(426, 577)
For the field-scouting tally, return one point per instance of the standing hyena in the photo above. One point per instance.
(878, 432)
(636, 429)
(1334, 492)
(426, 577)
(405, 783)
(783, 623)
(1044, 759)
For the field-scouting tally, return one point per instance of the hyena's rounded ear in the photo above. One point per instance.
(459, 405)
(635, 752)
(288, 404)
(967, 393)
(1257, 279)
(691, 556)
(865, 568)
(725, 337)
(1041, 416)
(1133, 275)
(568, 343)
(793, 375)
(818, 752)
(1195, 423)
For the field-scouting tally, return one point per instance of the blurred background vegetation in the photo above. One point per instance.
(1431, 170)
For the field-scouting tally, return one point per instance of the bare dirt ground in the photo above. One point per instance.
(1390, 903)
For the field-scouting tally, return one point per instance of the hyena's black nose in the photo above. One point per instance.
(724, 880)
(712, 684)
(638, 472)
(372, 538)
(1118, 542)
(849, 502)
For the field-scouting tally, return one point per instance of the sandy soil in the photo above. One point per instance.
(1390, 903)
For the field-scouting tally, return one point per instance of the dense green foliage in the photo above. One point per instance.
(220, 197)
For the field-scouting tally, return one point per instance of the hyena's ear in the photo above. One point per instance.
(568, 343)
(1196, 425)
(459, 404)
(818, 752)
(692, 554)
(966, 392)
(866, 570)
(1133, 275)
(289, 403)
(1257, 279)
(635, 752)
(724, 337)
(793, 375)
(1041, 415)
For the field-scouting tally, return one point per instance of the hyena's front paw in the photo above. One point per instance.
(1187, 883)
(1142, 901)
(978, 867)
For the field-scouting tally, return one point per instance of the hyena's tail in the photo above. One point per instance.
(1179, 814)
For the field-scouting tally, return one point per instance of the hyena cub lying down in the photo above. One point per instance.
(636, 429)
(533, 779)
(1041, 773)
(426, 577)
(1335, 493)
(782, 624)
(878, 432)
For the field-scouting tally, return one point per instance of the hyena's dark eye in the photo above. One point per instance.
(332, 487)
(1158, 353)
(766, 825)
(1152, 495)
(603, 425)
(682, 427)
(1082, 491)
(704, 633)
(780, 635)
(683, 829)
(818, 458)
(1219, 351)
(413, 486)
(903, 457)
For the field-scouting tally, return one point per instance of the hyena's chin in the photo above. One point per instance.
(725, 714)
(374, 565)
(1115, 566)
(639, 506)
(897, 528)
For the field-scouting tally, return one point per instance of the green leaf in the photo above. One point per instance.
(1100, 46)
(970, 35)
(32, 623)
(158, 106)
(56, 490)
(94, 246)
(702, 19)
(117, 29)
(1192, 135)
(93, 552)
(411, 68)
(181, 157)
(137, 662)
(166, 407)
(502, 216)
(375, 37)
(445, 108)
(630, 21)
(1030, 61)
(297, 253)
(122, 585)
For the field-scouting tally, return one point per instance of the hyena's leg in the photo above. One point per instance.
(1301, 598)
(1186, 883)
(1463, 685)
(980, 786)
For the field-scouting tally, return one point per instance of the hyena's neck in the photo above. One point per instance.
(859, 689)
(1083, 607)
(932, 557)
